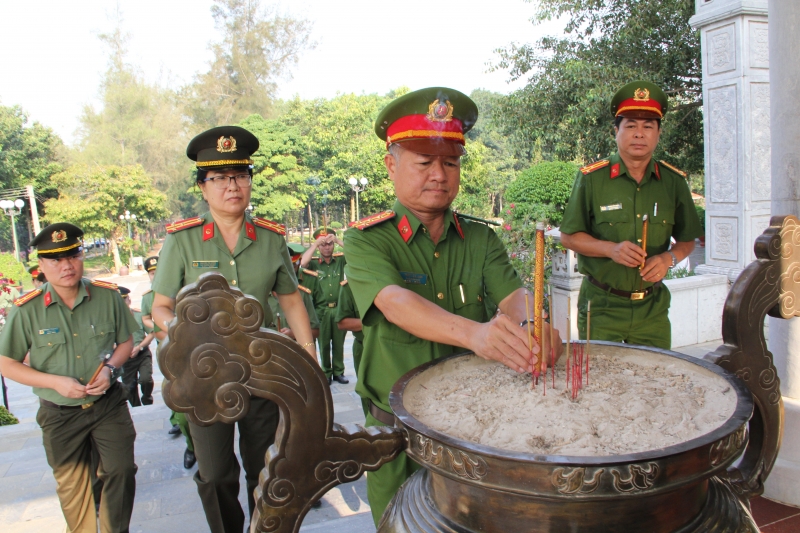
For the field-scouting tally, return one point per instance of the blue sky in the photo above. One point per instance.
(53, 60)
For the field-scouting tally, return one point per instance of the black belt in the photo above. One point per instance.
(380, 415)
(635, 295)
(52, 405)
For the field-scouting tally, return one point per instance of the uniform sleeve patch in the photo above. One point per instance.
(304, 289)
(373, 220)
(22, 300)
(594, 166)
(280, 229)
(674, 169)
(184, 224)
(104, 284)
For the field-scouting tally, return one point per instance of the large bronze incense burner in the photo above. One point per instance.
(217, 357)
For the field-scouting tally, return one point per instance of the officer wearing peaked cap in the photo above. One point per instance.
(251, 254)
(138, 370)
(420, 273)
(604, 223)
(67, 325)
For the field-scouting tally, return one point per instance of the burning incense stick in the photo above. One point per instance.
(552, 338)
(645, 225)
(103, 360)
(538, 294)
(588, 335)
(530, 343)
(568, 346)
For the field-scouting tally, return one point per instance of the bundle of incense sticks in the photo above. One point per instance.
(538, 298)
(574, 368)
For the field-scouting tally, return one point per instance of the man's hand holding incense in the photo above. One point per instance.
(501, 339)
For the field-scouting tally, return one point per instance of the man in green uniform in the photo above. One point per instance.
(251, 254)
(330, 273)
(138, 370)
(348, 319)
(178, 420)
(420, 273)
(605, 218)
(296, 251)
(71, 327)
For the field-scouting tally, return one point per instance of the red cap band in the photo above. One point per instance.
(421, 127)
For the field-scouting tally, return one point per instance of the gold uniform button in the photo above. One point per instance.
(49, 343)
(436, 255)
(233, 263)
(440, 296)
(74, 334)
(480, 299)
(79, 357)
(638, 189)
(638, 240)
(233, 282)
(638, 216)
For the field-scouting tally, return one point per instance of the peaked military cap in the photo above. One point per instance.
(59, 240)
(324, 231)
(639, 99)
(33, 271)
(124, 291)
(151, 263)
(296, 250)
(429, 121)
(221, 147)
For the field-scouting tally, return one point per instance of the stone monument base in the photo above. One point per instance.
(782, 482)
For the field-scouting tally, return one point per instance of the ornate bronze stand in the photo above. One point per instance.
(217, 357)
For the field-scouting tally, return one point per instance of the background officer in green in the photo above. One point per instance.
(329, 267)
(68, 325)
(296, 252)
(419, 273)
(178, 420)
(251, 254)
(138, 369)
(348, 319)
(604, 222)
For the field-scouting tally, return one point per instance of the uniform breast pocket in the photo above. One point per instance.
(468, 300)
(102, 335)
(613, 225)
(660, 229)
(44, 347)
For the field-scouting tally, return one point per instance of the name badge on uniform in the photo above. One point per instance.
(612, 207)
(48, 331)
(205, 264)
(413, 278)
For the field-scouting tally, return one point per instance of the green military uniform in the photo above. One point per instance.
(258, 265)
(68, 342)
(609, 205)
(397, 250)
(346, 308)
(275, 307)
(326, 298)
(139, 369)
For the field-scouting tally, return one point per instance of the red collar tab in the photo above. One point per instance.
(614, 170)
(250, 231)
(458, 226)
(404, 228)
(208, 231)
(658, 172)
(47, 299)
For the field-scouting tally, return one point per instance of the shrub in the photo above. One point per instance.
(6, 418)
(542, 191)
(701, 214)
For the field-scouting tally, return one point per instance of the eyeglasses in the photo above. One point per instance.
(222, 182)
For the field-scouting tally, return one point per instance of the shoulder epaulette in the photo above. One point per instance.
(674, 169)
(311, 272)
(304, 289)
(478, 219)
(25, 298)
(343, 282)
(338, 254)
(105, 284)
(373, 220)
(280, 229)
(595, 166)
(147, 292)
(184, 224)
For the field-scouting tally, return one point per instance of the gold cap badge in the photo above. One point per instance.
(440, 112)
(641, 95)
(226, 144)
(59, 236)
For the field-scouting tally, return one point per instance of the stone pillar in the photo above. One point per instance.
(736, 103)
(784, 335)
(566, 283)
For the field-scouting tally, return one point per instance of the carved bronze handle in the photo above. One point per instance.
(217, 356)
(766, 286)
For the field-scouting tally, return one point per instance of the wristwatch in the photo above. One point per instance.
(674, 259)
(114, 372)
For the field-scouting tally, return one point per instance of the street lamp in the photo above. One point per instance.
(354, 184)
(12, 209)
(127, 217)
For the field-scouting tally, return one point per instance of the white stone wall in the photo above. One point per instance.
(696, 310)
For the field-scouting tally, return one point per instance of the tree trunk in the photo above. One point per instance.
(115, 252)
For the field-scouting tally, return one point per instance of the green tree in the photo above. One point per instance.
(564, 109)
(93, 198)
(258, 47)
(541, 192)
(137, 123)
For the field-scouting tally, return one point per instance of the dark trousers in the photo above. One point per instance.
(614, 318)
(138, 370)
(330, 334)
(69, 437)
(218, 470)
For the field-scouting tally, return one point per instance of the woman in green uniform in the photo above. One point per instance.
(251, 253)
